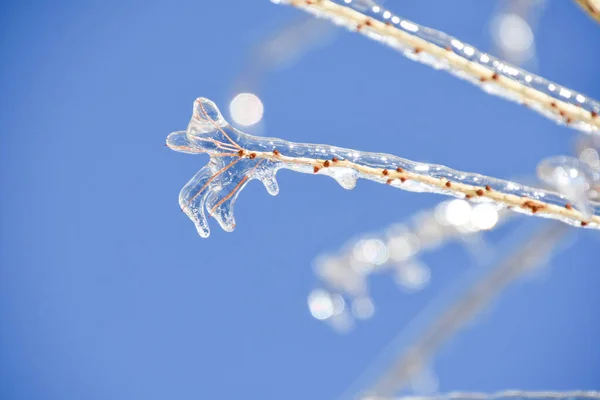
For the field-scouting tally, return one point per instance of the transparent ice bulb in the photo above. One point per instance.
(571, 177)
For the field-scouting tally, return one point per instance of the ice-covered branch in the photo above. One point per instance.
(236, 158)
(592, 7)
(442, 51)
(510, 394)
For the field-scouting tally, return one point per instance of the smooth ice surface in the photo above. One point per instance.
(572, 177)
(237, 158)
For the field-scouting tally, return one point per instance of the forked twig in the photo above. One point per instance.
(346, 166)
(212, 178)
(531, 254)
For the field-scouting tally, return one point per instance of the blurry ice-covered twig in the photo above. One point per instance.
(280, 49)
(530, 254)
(236, 158)
(284, 46)
(592, 7)
(509, 394)
(441, 51)
(395, 250)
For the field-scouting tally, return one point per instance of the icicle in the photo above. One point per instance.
(346, 177)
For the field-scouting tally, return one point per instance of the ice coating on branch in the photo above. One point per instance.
(237, 158)
(214, 189)
(572, 177)
(444, 52)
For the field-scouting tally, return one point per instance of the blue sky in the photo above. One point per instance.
(106, 290)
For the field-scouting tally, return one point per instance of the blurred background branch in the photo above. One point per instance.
(531, 253)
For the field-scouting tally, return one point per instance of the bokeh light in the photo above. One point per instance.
(246, 109)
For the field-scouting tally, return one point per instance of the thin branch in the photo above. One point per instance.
(531, 254)
(346, 167)
(591, 7)
(442, 51)
(442, 185)
(400, 246)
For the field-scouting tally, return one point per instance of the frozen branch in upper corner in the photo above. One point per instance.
(592, 7)
(532, 252)
(441, 51)
(236, 158)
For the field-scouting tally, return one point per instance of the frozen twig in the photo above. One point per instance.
(442, 51)
(236, 158)
(531, 254)
(592, 7)
(281, 48)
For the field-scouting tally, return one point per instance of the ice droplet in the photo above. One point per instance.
(444, 52)
(346, 177)
(571, 177)
(193, 204)
(271, 185)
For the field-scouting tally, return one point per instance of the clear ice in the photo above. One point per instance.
(573, 178)
(444, 52)
(237, 158)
